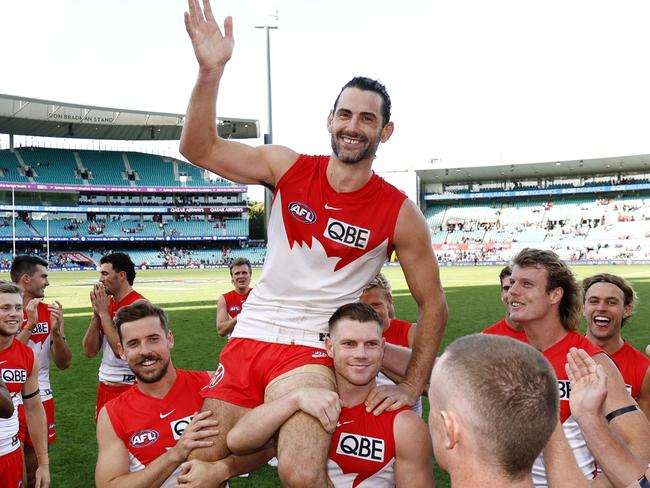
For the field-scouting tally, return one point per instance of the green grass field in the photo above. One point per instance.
(189, 297)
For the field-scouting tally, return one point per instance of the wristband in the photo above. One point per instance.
(643, 481)
(31, 395)
(620, 411)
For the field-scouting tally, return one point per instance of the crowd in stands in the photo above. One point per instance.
(597, 228)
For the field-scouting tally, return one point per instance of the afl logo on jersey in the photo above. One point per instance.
(302, 212)
(143, 438)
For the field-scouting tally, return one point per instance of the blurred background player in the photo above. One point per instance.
(20, 373)
(493, 406)
(114, 291)
(43, 331)
(608, 303)
(229, 304)
(546, 300)
(505, 326)
(379, 295)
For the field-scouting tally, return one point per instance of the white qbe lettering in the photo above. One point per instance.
(363, 447)
(347, 234)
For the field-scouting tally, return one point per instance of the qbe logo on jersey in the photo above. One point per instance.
(362, 447)
(564, 389)
(14, 375)
(347, 234)
(41, 328)
(178, 426)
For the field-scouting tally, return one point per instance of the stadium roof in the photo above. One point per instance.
(46, 118)
(580, 167)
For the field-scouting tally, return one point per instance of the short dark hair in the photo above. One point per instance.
(359, 312)
(121, 262)
(25, 264)
(512, 392)
(240, 262)
(139, 310)
(559, 276)
(629, 295)
(368, 84)
(506, 271)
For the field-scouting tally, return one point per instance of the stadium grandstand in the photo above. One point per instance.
(73, 205)
(590, 211)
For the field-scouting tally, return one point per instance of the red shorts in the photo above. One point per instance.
(23, 434)
(106, 393)
(11, 469)
(246, 367)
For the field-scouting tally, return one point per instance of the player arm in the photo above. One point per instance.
(257, 428)
(560, 463)
(225, 324)
(413, 244)
(112, 470)
(92, 341)
(6, 404)
(644, 395)
(200, 142)
(413, 451)
(37, 424)
(31, 310)
(60, 351)
(633, 427)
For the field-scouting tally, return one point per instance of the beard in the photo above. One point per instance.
(353, 157)
(151, 376)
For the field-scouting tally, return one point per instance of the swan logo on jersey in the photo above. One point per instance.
(178, 426)
(302, 212)
(14, 375)
(218, 376)
(362, 447)
(143, 438)
(347, 234)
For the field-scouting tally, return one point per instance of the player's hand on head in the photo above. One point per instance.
(196, 434)
(212, 47)
(588, 383)
(390, 397)
(202, 474)
(323, 404)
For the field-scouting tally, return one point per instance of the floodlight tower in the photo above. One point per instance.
(267, 22)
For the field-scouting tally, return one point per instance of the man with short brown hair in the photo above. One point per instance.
(508, 411)
(230, 304)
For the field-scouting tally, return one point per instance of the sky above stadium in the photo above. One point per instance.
(472, 81)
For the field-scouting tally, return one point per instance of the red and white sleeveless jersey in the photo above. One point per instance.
(324, 247)
(16, 364)
(41, 343)
(113, 368)
(149, 426)
(502, 328)
(556, 355)
(362, 453)
(633, 366)
(235, 301)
